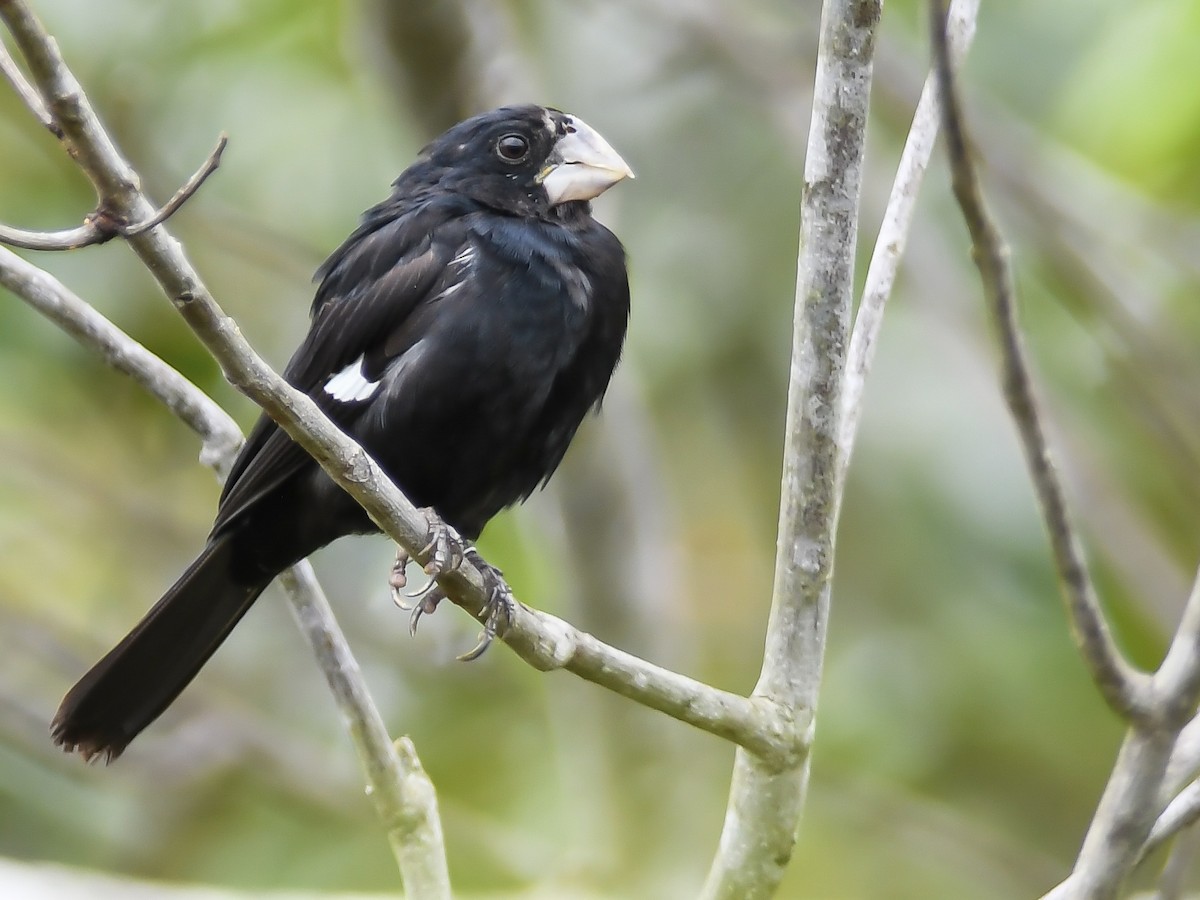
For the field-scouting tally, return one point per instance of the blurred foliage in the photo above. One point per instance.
(961, 748)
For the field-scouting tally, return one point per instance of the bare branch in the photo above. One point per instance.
(184, 193)
(766, 800)
(100, 225)
(1180, 813)
(68, 239)
(897, 220)
(1177, 681)
(1124, 815)
(398, 786)
(220, 434)
(1176, 872)
(15, 77)
(1184, 765)
(547, 642)
(403, 796)
(1124, 688)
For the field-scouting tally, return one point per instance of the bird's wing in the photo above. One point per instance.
(367, 313)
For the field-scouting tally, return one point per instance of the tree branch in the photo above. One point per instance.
(68, 239)
(766, 799)
(99, 226)
(403, 795)
(1184, 765)
(897, 221)
(1180, 813)
(220, 435)
(1176, 684)
(1157, 707)
(23, 89)
(401, 792)
(182, 195)
(1124, 688)
(1176, 871)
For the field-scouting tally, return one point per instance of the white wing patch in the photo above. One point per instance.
(351, 384)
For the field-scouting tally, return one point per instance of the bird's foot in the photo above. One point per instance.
(445, 553)
(497, 610)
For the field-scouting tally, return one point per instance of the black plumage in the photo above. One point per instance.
(460, 335)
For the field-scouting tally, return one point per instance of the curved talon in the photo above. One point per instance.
(498, 605)
(427, 606)
(430, 585)
(485, 640)
(414, 620)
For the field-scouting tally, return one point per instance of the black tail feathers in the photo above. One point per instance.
(132, 685)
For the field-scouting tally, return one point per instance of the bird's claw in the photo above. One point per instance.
(445, 553)
(420, 592)
(497, 610)
(425, 606)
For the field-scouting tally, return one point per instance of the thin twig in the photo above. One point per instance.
(220, 434)
(15, 77)
(1176, 871)
(1177, 681)
(184, 193)
(402, 795)
(896, 224)
(765, 800)
(101, 226)
(80, 236)
(1180, 813)
(1184, 765)
(1124, 688)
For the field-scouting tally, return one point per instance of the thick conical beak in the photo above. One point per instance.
(582, 165)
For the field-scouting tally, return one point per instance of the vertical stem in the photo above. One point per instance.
(766, 801)
(403, 796)
(896, 224)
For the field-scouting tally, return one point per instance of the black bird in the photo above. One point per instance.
(460, 335)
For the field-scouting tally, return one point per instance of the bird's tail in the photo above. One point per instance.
(131, 686)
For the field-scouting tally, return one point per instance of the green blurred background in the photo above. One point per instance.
(961, 748)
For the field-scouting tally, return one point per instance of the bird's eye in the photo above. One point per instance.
(512, 148)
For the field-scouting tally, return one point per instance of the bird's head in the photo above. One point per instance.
(525, 159)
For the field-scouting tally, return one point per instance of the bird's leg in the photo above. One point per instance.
(497, 610)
